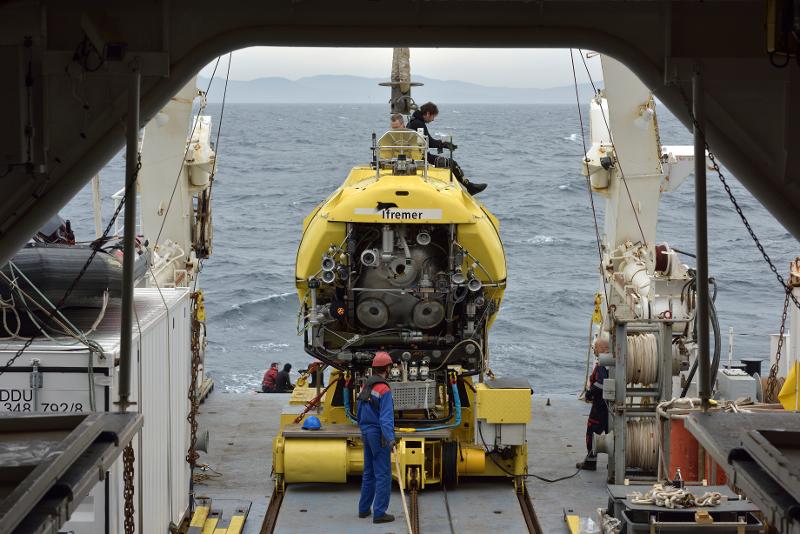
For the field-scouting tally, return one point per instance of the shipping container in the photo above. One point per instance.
(54, 375)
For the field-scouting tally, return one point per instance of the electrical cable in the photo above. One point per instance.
(716, 354)
(589, 182)
(463, 341)
(588, 359)
(457, 409)
(66, 325)
(216, 149)
(525, 475)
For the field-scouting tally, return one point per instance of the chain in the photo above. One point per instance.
(191, 454)
(738, 208)
(413, 494)
(749, 228)
(95, 249)
(128, 491)
(772, 381)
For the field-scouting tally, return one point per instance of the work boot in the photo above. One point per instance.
(385, 518)
(588, 464)
(362, 515)
(473, 188)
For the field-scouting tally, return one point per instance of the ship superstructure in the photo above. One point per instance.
(68, 353)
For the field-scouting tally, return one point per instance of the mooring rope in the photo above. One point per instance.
(642, 446)
(671, 497)
(642, 359)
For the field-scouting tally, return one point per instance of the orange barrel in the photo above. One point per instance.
(711, 465)
(683, 452)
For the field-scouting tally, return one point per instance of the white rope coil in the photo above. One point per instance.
(609, 524)
(641, 359)
(670, 497)
(642, 445)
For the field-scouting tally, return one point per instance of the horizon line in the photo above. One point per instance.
(220, 77)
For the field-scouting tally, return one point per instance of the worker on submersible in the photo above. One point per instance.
(598, 415)
(426, 113)
(375, 414)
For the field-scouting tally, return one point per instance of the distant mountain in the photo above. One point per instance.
(331, 89)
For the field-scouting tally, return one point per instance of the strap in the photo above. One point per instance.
(371, 382)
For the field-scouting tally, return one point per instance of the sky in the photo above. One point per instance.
(527, 68)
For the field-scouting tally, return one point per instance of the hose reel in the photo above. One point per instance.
(641, 358)
(641, 445)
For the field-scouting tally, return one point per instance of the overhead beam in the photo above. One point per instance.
(655, 39)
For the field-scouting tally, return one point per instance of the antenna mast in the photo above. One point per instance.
(401, 84)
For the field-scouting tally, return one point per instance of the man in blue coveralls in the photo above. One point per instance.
(598, 415)
(376, 421)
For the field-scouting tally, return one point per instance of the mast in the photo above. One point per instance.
(401, 84)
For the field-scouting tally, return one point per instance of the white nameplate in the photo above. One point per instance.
(402, 214)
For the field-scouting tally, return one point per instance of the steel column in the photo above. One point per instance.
(665, 361)
(131, 171)
(620, 396)
(701, 231)
(665, 391)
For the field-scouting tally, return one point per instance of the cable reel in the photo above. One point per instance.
(641, 359)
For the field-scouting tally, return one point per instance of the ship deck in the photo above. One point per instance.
(242, 426)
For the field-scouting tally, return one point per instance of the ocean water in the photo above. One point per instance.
(276, 162)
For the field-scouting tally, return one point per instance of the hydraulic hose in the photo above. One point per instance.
(457, 408)
(346, 397)
(712, 314)
(440, 420)
(352, 419)
(454, 424)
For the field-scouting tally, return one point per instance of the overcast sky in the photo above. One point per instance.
(538, 68)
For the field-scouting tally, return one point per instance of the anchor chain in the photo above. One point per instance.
(128, 490)
(749, 228)
(198, 313)
(413, 493)
(737, 207)
(772, 381)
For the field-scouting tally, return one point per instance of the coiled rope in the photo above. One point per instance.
(609, 524)
(670, 497)
(642, 446)
(641, 359)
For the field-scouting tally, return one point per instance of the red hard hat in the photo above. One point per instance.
(381, 359)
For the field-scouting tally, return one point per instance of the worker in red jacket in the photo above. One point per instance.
(268, 382)
(376, 421)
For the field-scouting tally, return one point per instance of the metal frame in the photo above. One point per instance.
(424, 148)
(52, 482)
(721, 435)
(622, 392)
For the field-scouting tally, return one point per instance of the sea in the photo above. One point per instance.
(276, 162)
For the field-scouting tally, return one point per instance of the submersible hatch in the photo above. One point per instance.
(402, 259)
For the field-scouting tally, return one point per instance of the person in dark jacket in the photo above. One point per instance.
(419, 120)
(283, 382)
(269, 382)
(598, 415)
(375, 414)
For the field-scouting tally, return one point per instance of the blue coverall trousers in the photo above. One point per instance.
(376, 483)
